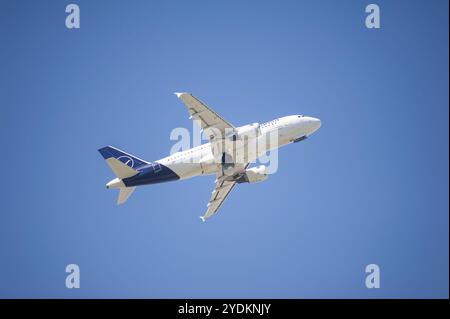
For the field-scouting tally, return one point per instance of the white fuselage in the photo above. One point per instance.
(200, 160)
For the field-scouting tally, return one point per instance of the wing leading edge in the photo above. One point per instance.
(211, 122)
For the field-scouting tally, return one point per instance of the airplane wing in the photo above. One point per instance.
(216, 128)
(210, 122)
(218, 196)
(221, 191)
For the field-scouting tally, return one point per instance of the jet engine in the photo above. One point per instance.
(254, 175)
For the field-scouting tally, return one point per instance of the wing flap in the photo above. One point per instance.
(223, 188)
(218, 196)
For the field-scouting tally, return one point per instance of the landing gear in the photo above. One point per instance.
(226, 162)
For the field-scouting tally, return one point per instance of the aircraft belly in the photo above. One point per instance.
(208, 168)
(186, 170)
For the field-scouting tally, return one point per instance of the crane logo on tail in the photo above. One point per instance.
(126, 160)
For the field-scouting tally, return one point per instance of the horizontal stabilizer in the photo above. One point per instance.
(124, 193)
(120, 169)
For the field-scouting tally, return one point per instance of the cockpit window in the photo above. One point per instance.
(300, 115)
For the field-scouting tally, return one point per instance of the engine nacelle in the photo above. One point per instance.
(250, 130)
(254, 175)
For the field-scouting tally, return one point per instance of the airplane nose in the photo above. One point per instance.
(317, 123)
(314, 124)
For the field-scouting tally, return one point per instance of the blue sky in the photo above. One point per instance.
(371, 186)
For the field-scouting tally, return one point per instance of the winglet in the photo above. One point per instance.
(203, 218)
(178, 94)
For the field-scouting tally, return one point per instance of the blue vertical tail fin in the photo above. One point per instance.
(128, 159)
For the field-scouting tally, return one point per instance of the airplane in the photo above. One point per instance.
(227, 154)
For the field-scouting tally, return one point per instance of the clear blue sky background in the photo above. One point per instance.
(371, 186)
